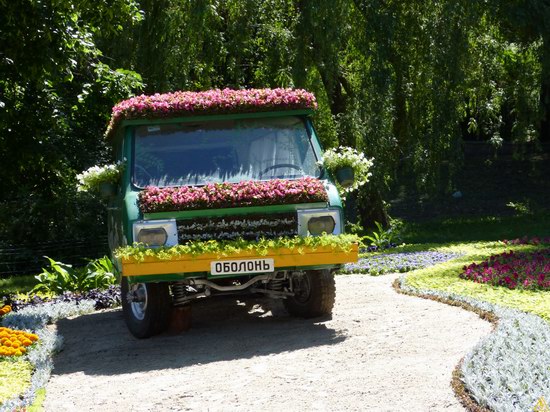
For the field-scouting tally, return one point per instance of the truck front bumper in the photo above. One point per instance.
(284, 259)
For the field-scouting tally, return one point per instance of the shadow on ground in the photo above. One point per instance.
(223, 329)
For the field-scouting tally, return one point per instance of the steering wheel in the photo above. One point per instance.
(289, 165)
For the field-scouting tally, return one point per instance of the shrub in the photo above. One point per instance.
(61, 277)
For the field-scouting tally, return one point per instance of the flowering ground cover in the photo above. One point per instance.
(34, 319)
(224, 195)
(529, 270)
(445, 277)
(508, 371)
(180, 104)
(397, 262)
(104, 298)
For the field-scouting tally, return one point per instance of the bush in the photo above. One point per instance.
(61, 277)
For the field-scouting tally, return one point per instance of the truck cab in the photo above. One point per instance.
(223, 196)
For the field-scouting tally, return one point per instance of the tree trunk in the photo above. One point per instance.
(545, 91)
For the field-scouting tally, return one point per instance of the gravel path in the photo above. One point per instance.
(381, 351)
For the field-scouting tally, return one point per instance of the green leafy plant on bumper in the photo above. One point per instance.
(139, 252)
(61, 277)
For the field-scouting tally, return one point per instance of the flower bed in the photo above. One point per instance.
(35, 319)
(397, 262)
(512, 270)
(181, 103)
(226, 195)
(103, 298)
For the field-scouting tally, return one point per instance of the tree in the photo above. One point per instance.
(55, 98)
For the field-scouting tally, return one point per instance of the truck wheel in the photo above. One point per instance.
(146, 313)
(315, 291)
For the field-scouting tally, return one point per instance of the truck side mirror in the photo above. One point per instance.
(345, 176)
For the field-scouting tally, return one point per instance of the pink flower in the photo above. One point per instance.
(225, 195)
(183, 103)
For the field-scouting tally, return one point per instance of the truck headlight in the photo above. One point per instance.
(155, 233)
(315, 222)
(152, 237)
(318, 225)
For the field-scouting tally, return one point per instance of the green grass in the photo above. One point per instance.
(444, 277)
(17, 284)
(478, 229)
(15, 377)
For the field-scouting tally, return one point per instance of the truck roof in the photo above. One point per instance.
(212, 102)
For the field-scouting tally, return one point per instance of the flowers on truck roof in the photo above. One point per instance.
(186, 103)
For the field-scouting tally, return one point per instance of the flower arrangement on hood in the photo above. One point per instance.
(226, 195)
(185, 103)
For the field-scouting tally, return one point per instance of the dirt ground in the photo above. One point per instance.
(381, 351)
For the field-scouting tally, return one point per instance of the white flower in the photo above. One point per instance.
(91, 178)
(335, 159)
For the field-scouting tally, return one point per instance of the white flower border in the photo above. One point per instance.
(509, 370)
(34, 319)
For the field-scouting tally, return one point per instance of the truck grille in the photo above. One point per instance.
(248, 227)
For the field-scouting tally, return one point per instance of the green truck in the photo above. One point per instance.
(222, 193)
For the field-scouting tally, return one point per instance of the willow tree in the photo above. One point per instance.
(402, 81)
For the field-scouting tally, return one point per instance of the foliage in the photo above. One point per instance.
(55, 96)
(385, 238)
(218, 195)
(336, 159)
(104, 298)
(262, 247)
(402, 81)
(91, 179)
(64, 278)
(15, 376)
(397, 262)
(512, 270)
(182, 103)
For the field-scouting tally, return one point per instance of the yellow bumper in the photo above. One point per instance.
(283, 258)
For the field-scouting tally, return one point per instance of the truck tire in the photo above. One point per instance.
(315, 291)
(150, 315)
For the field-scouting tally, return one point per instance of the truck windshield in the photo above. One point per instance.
(224, 151)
